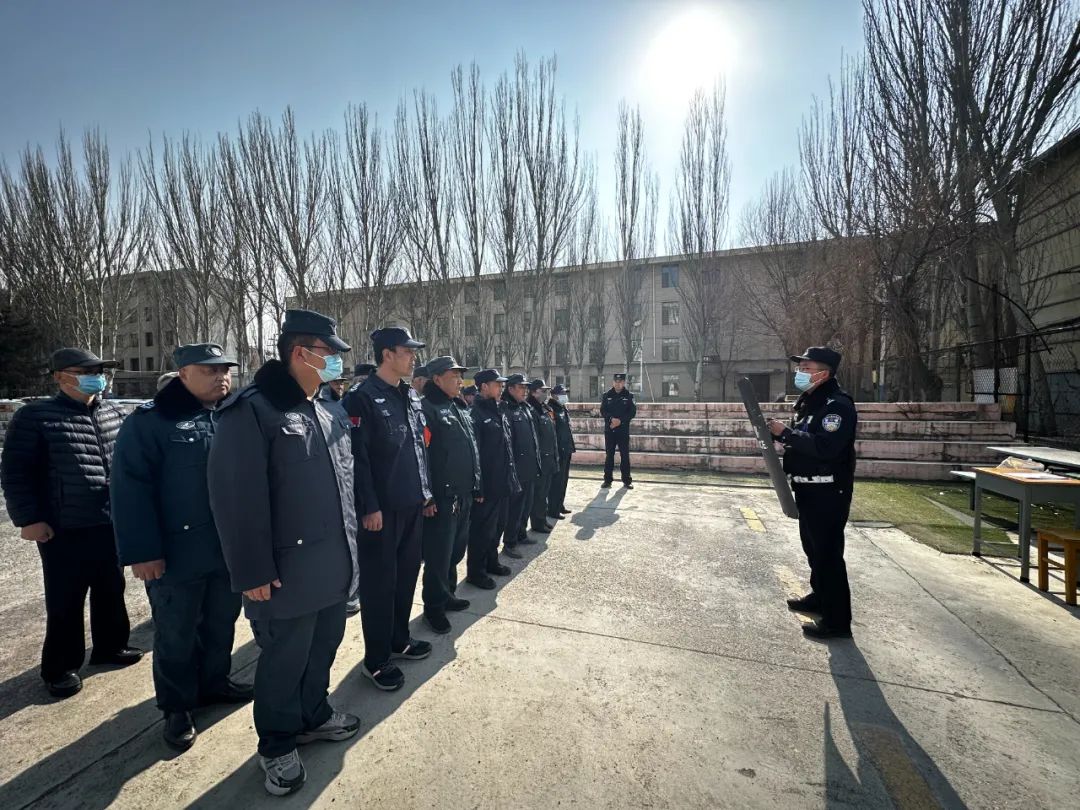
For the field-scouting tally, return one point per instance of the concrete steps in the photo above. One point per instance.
(1003, 432)
(868, 411)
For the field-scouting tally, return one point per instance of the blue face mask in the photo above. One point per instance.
(333, 368)
(802, 380)
(91, 384)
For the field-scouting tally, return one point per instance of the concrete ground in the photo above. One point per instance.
(641, 657)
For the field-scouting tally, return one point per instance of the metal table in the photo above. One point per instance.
(1050, 456)
(1013, 484)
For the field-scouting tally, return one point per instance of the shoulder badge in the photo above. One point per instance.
(185, 425)
(380, 400)
(831, 422)
(293, 416)
(146, 406)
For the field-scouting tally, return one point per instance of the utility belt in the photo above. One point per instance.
(813, 479)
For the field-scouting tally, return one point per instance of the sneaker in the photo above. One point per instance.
(387, 678)
(499, 570)
(414, 651)
(437, 622)
(121, 658)
(179, 731)
(352, 607)
(284, 774)
(455, 604)
(483, 582)
(340, 726)
(65, 687)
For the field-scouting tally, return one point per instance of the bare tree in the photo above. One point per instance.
(584, 254)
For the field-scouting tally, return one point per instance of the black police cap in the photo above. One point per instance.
(491, 375)
(441, 365)
(538, 384)
(77, 358)
(363, 370)
(619, 377)
(560, 389)
(468, 390)
(390, 337)
(306, 322)
(201, 354)
(819, 354)
(516, 379)
(420, 371)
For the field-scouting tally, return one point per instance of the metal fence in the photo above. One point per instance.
(1034, 377)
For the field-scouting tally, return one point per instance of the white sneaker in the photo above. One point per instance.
(340, 726)
(284, 774)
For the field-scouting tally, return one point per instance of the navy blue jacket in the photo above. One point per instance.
(160, 498)
(56, 462)
(282, 491)
(453, 459)
(618, 405)
(563, 430)
(822, 438)
(525, 444)
(494, 442)
(546, 439)
(389, 423)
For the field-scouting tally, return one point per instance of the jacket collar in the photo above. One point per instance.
(556, 405)
(536, 406)
(819, 394)
(402, 388)
(486, 404)
(174, 400)
(76, 405)
(435, 395)
(276, 383)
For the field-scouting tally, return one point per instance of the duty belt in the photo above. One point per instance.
(812, 479)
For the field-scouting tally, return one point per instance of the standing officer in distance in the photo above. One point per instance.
(468, 393)
(454, 464)
(544, 419)
(394, 497)
(55, 469)
(617, 408)
(819, 456)
(165, 532)
(419, 380)
(560, 396)
(526, 449)
(498, 480)
(281, 487)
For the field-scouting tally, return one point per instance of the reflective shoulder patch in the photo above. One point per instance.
(146, 405)
(185, 425)
(831, 422)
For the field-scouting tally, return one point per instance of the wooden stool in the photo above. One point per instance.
(1069, 540)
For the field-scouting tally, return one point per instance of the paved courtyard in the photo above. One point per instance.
(641, 657)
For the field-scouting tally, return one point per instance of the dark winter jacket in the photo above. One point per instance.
(453, 459)
(282, 491)
(563, 431)
(56, 462)
(821, 441)
(160, 498)
(618, 405)
(544, 419)
(389, 423)
(526, 446)
(491, 426)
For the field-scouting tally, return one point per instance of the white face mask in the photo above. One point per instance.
(563, 398)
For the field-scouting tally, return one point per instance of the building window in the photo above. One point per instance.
(562, 284)
(594, 314)
(470, 326)
(594, 386)
(500, 323)
(442, 328)
(472, 294)
(443, 351)
(498, 291)
(146, 314)
(596, 351)
(633, 383)
(670, 385)
(562, 319)
(133, 340)
(170, 338)
(561, 380)
(669, 314)
(669, 350)
(527, 322)
(561, 354)
(669, 276)
(149, 339)
(472, 357)
(149, 363)
(133, 364)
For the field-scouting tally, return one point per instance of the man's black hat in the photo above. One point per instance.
(441, 365)
(620, 376)
(201, 354)
(306, 322)
(363, 370)
(819, 354)
(468, 390)
(560, 389)
(390, 337)
(516, 379)
(420, 371)
(491, 375)
(538, 384)
(77, 358)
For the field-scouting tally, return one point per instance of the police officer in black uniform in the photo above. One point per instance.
(454, 463)
(819, 456)
(394, 496)
(565, 434)
(526, 448)
(498, 480)
(617, 408)
(544, 419)
(166, 533)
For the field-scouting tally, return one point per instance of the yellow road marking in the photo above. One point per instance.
(752, 519)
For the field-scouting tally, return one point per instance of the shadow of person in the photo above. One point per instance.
(599, 513)
(131, 741)
(888, 756)
(27, 689)
(324, 761)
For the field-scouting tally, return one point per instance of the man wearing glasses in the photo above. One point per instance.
(55, 470)
(280, 475)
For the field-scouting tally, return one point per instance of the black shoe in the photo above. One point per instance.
(545, 529)
(805, 604)
(65, 687)
(179, 731)
(627, 485)
(387, 678)
(554, 519)
(437, 622)
(529, 541)
(821, 630)
(414, 651)
(457, 604)
(232, 693)
(606, 485)
(499, 570)
(564, 511)
(512, 552)
(483, 582)
(121, 658)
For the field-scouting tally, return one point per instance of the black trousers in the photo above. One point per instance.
(557, 493)
(518, 517)
(194, 626)
(823, 513)
(541, 487)
(73, 562)
(389, 563)
(445, 539)
(486, 526)
(292, 678)
(617, 439)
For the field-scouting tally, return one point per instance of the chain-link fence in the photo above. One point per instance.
(1035, 378)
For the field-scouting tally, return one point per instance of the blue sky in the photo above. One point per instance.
(135, 68)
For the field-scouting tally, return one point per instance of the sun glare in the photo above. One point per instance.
(691, 51)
